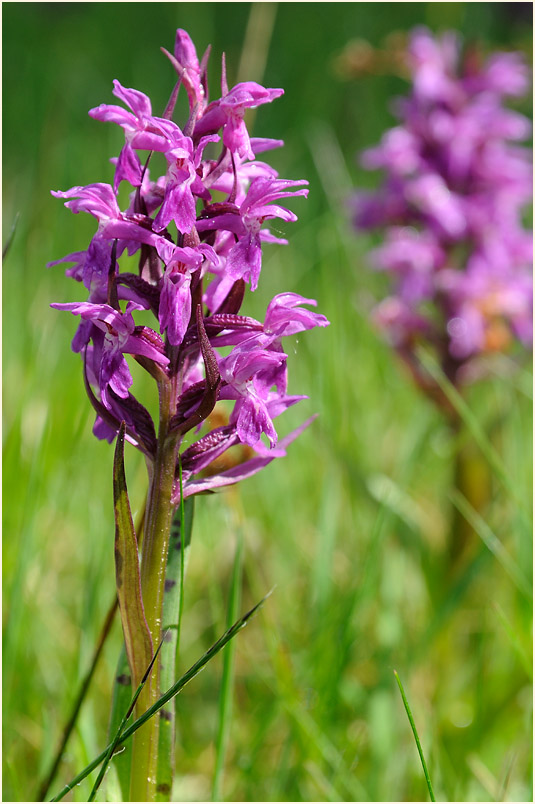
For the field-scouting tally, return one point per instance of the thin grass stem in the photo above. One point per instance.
(416, 738)
(69, 726)
(225, 700)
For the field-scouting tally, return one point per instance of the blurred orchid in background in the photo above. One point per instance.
(457, 182)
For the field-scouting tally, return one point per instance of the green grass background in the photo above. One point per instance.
(351, 527)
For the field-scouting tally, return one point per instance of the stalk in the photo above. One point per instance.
(153, 565)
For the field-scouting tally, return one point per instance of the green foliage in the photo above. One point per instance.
(352, 527)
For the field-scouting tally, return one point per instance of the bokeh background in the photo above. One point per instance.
(351, 528)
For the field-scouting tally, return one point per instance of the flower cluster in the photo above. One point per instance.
(193, 281)
(456, 182)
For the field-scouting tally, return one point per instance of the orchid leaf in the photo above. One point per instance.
(138, 642)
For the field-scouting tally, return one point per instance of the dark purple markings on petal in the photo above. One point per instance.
(113, 298)
(169, 583)
(144, 289)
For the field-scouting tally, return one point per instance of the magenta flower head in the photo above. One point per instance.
(199, 231)
(456, 183)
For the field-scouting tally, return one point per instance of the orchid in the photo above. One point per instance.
(198, 232)
(451, 207)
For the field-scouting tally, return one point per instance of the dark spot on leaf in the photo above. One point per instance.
(163, 788)
(169, 584)
(165, 715)
(178, 545)
(124, 679)
(167, 637)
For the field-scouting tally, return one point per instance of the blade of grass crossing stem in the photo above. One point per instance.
(225, 699)
(416, 738)
(171, 618)
(122, 695)
(193, 671)
(114, 743)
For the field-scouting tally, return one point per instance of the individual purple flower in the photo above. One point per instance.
(142, 131)
(183, 184)
(244, 259)
(249, 374)
(120, 337)
(175, 292)
(228, 112)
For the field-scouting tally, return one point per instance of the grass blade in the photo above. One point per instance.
(193, 671)
(473, 425)
(225, 700)
(491, 541)
(67, 731)
(416, 738)
(122, 695)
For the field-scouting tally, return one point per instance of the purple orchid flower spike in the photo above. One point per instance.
(196, 233)
(451, 206)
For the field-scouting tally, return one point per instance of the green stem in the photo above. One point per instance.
(416, 738)
(153, 565)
